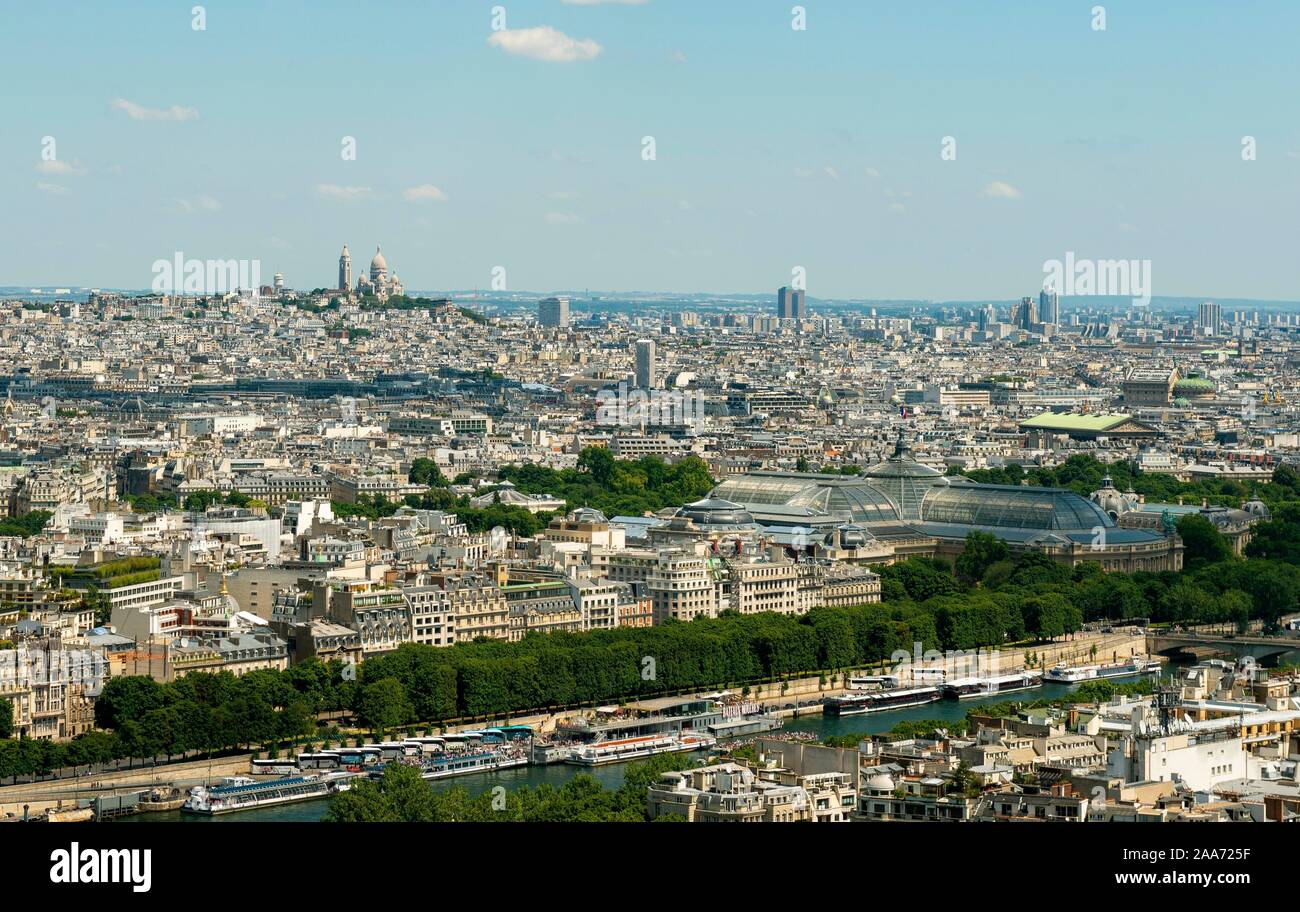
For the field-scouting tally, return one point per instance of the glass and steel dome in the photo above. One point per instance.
(849, 497)
(904, 480)
(1013, 507)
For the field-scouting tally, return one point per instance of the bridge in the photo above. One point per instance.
(1255, 645)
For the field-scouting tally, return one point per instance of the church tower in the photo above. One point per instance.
(345, 269)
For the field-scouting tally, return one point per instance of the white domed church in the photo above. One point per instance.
(379, 282)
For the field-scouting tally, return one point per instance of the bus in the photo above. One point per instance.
(274, 768)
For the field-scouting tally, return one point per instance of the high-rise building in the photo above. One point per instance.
(345, 270)
(790, 303)
(1209, 318)
(553, 312)
(1025, 315)
(1049, 307)
(645, 364)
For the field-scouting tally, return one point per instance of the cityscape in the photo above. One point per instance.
(793, 534)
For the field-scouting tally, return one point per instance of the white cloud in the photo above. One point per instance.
(897, 207)
(200, 204)
(60, 167)
(872, 173)
(561, 218)
(677, 56)
(51, 188)
(544, 43)
(334, 191)
(140, 112)
(831, 172)
(424, 193)
(1000, 190)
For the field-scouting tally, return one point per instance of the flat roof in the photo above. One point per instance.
(1076, 422)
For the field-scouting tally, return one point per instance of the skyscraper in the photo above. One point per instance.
(645, 364)
(553, 312)
(1209, 318)
(790, 303)
(345, 270)
(1025, 314)
(1049, 307)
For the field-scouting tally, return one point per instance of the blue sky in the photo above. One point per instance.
(775, 148)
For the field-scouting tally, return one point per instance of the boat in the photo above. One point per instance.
(1128, 669)
(547, 752)
(1070, 674)
(460, 763)
(69, 815)
(242, 793)
(992, 685)
(620, 750)
(1074, 674)
(854, 704)
(161, 799)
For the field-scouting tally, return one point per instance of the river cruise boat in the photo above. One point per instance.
(1074, 674)
(624, 749)
(961, 688)
(464, 763)
(854, 704)
(242, 793)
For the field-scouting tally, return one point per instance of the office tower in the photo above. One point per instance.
(988, 315)
(1025, 314)
(1209, 318)
(790, 304)
(645, 364)
(1049, 307)
(345, 270)
(553, 312)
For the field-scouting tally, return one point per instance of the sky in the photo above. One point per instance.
(775, 148)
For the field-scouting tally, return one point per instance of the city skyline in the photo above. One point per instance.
(775, 149)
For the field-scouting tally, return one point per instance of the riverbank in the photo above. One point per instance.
(56, 793)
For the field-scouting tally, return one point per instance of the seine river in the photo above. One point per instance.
(612, 776)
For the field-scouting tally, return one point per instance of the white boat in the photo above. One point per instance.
(459, 763)
(242, 793)
(1128, 669)
(854, 704)
(623, 749)
(1074, 674)
(1070, 674)
(992, 685)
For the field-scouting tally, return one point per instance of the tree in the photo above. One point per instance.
(426, 472)
(981, 551)
(399, 796)
(599, 462)
(384, 705)
(127, 698)
(1202, 542)
(6, 718)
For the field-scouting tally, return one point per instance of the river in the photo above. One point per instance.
(612, 776)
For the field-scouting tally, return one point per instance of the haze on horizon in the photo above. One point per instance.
(774, 148)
